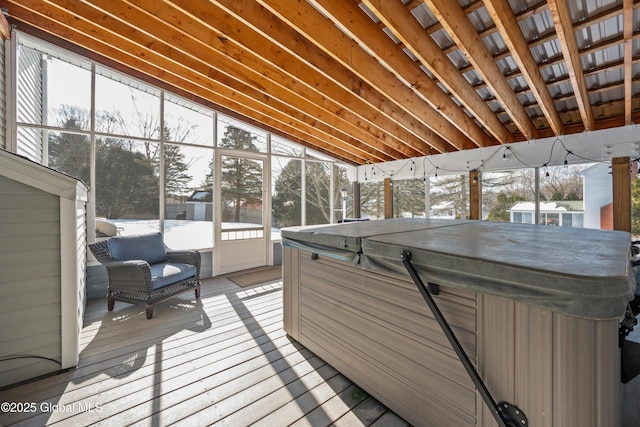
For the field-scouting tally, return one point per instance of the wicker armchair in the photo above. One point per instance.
(142, 270)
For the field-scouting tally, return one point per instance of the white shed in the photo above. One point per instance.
(42, 269)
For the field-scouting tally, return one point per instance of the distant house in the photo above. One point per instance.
(598, 203)
(565, 213)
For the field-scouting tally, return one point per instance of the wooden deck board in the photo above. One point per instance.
(223, 360)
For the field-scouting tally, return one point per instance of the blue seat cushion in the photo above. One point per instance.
(147, 247)
(167, 273)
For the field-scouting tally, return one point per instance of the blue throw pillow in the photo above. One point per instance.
(148, 247)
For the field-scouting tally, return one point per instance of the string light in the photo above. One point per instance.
(508, 152)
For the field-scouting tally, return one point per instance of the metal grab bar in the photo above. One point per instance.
(506, 414)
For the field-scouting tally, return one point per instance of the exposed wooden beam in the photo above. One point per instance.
(627, 22)
(238, 64)
(509, 29)
(308, 21)
(195, 38)
(455, 21)
(407, 29)
(183, 91)
(5, 28)
(311, 71)
(86, 32)
(567, 41)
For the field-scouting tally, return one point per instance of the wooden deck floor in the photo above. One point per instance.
(221, 360)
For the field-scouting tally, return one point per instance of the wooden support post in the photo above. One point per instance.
(475, 195)
(621, 183)
(357, 213)
(388, 198)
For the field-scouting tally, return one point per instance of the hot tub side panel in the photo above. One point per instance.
(375, 329)
(560, 370)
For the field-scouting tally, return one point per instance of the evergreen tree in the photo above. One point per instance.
(408, 197)
(126, 183)
(372, 199)
(127, 178)
(287, 196)
(500, 208)
(635, 207)
(454, 190)
(241, 184)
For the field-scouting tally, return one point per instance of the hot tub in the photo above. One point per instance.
(535, 308)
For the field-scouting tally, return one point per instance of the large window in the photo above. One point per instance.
(372, 199)
(241, 189)
(317, 191)
(286, 194)
(127, 188)
(449, 196)
(188, 200)
(149, 155)
(408, 198)
(122, 108)
(343, 195)
(503, 191)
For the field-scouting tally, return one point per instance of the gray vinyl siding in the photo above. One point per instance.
(29, 281)
(81, 256)
(30, 108)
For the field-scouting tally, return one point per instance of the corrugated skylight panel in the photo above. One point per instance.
(444, 89)
(518, 83)
(472, 77)
(534, 111)
(594, 60)
(529, 28)
(442, 39)
(603, 96)
(480, 19)
(507, 65)
(410, 54)
(565, 88)
(485, 93)
(526, 98)
(458, 58)
(424, 15)
(494, 43)
(427, 71)
(369, 13)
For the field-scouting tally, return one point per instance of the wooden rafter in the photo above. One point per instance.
(5, 28)
(406, 28)
(455, 21)
(86, 31)
(509, 29)
(567, 41)
(356, 23)
(306, 65)
(362, 80)
(306, 20)
(203, 42)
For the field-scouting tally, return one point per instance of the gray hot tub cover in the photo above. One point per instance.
(580, 272)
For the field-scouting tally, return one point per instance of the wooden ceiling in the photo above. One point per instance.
(373, 80)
